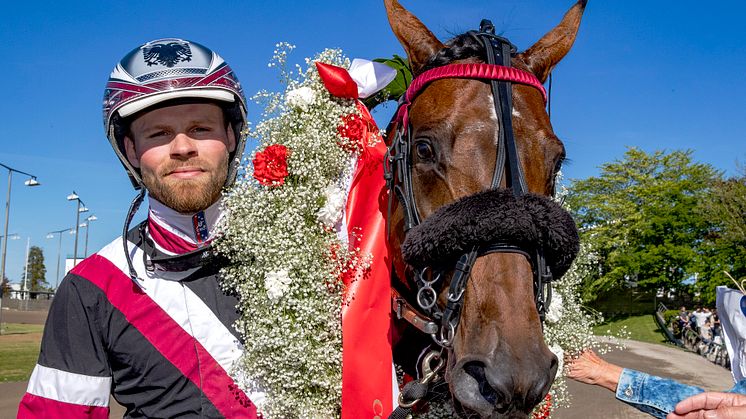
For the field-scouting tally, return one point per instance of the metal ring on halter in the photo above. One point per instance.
(421, 295)
(448, 340)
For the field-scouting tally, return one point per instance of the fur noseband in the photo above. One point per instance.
(496, 216)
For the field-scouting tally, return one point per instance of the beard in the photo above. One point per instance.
(187, 196)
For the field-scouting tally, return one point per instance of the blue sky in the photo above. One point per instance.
(652, 74)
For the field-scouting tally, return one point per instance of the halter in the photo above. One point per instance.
(441, 324)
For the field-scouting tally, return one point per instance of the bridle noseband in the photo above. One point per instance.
(428, 317)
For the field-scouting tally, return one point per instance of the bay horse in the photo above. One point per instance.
(474, 237)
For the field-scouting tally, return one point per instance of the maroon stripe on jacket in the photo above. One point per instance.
(33, 406)
(167, 337)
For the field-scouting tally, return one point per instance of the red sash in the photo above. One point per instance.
(366, 320)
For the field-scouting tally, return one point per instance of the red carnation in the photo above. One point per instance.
(271, 165)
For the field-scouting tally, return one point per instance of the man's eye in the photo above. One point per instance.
(157, 134)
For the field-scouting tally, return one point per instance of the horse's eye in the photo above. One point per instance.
(424, 150)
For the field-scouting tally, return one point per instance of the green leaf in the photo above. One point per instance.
(397, 87)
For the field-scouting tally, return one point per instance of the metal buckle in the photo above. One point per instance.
(429, 374)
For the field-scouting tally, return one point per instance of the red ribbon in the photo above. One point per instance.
(337, 81)
(366, 320)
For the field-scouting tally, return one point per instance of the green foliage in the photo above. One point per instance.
(4, 287)
(37, 272)
(669, 315)
(723, 247)
(397, 87)
(639, 220)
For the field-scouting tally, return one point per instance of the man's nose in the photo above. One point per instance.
(183, 146)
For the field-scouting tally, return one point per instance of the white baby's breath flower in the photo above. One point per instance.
(556, 309)
(330, 214)
(302, 97)
(277, 283)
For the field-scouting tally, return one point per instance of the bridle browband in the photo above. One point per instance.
(480, 71)
(440, 323)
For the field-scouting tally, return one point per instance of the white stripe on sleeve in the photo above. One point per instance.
(69, 387)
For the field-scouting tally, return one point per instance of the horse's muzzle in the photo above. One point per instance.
(500, 392)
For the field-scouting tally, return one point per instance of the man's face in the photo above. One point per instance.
(182, 153)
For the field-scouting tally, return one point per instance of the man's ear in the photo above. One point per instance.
(231, 136)
(129, 148)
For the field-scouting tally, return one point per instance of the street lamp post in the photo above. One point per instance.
(81, 208)
(50, 235)
(31, 181)
(87, 225)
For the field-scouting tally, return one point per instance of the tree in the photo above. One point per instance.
(37, 272)
(639, 219)
(5, 287)
(723, 247)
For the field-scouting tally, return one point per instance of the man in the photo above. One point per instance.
(150, 325)
(701, 316)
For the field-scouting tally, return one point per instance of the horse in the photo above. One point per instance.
(474, 236)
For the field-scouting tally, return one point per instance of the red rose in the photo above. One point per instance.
(271, 165)
(357, 129)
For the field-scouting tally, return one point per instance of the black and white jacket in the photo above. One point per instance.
(163, 346)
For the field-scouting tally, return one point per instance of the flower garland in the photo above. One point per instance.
(286, 258)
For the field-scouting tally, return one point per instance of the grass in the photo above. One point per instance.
(21, 329)
(19, 350)
(642, 328)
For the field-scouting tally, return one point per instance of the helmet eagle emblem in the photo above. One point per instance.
(168, 54)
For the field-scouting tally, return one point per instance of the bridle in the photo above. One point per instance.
(428, 317)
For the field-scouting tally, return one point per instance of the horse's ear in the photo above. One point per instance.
(417, 40)
(552, 47)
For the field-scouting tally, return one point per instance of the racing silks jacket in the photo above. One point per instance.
(162, 346)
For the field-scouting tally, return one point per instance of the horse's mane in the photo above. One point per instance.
(460, 47)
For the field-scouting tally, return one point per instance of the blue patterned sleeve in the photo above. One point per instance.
(739, 388)
(650, 394)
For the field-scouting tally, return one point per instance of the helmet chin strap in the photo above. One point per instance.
(134, 206)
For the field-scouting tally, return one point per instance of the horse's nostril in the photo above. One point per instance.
(476, 370)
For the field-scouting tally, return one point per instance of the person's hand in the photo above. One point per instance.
(589, 368)
(711, 406)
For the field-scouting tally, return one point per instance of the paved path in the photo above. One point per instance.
(588, 401)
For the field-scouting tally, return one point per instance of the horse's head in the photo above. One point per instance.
(498, 363)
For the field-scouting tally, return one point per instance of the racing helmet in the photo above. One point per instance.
(171, 70)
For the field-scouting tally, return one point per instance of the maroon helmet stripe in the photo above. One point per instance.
(113, 85)
(214, 76)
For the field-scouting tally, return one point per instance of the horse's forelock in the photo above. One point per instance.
(461, 47)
